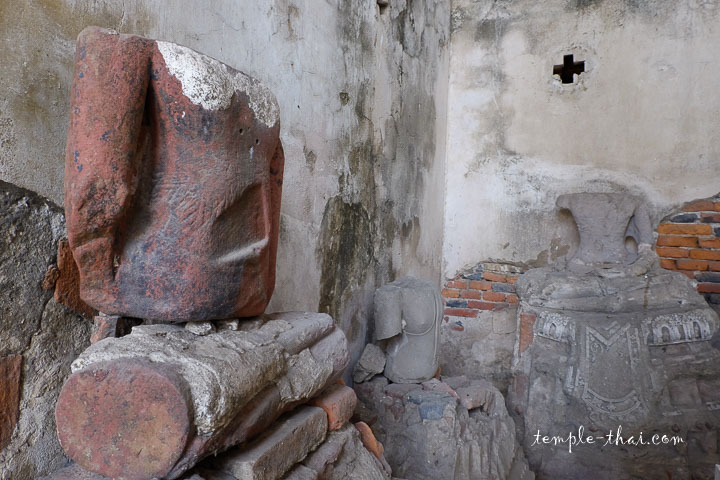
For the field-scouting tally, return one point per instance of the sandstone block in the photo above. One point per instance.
(173, 175)
(67, 285)
(270, 457)
(429, 435)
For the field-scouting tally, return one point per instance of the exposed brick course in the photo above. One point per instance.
(672, 252)
(676, 241)
(488, 287)
(688, 243)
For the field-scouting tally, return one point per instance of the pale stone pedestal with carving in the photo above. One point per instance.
(606, 345)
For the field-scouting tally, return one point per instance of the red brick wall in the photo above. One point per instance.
(689, 242)
(490, 286)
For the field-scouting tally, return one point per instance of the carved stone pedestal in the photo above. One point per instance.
(615, 348)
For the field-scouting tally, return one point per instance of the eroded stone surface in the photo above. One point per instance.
(67, 286)
(343, 455)
(372, 362)
(32, 324)
(173, 182)
(138, 409)
(271, 456)
(606, 341)
(605, 221)
(408, 313)
(428, 434)
(10, 378)
(231, 384)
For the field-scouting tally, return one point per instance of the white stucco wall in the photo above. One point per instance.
(643, 118)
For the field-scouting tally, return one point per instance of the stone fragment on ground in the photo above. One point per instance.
(371, 363)
(343, 456)
(428, 434)
(200, 328)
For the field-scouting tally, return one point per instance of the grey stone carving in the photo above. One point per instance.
(407, 315)
(616, 341)
(454, 429)
(604, 221)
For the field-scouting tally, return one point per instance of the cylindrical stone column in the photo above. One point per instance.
(155, 402)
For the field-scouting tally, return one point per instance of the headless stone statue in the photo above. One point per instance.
(173, 179)
(407, 314)
(615, 340)
(605, 221)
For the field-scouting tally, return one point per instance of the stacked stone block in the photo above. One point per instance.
(689, 242)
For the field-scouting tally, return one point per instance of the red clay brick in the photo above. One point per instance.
(512, 279)
(714, 266)
(686, 264)
(481, 305)
(500, 306)
(690, 275)
(673, 252)
(474, 294)
(480, 285)
(339, 404)
(461, 284)
(368, 439)
(667, 264)
(685, 229)
(495, 277)
(699, 206)
(494, 296)
(450, 293)
(717, 206)
(710, 242)
(512, 298)
(708, 287)
(461, 312)
(710, 217)
(527, 321)
(676, 241)
(705, 254)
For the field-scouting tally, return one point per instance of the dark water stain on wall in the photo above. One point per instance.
(346, 253)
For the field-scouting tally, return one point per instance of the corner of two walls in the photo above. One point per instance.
(637, 120)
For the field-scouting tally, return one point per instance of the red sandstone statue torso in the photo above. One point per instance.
(173, 180)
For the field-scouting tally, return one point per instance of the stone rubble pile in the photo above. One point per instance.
(154, 403)
(455, 428)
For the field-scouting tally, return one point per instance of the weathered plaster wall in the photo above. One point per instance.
(362, 94)
(642, 118)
